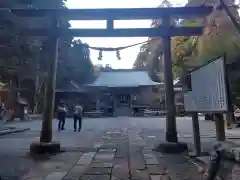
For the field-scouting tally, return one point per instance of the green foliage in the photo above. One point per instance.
(32, 52)
(22, 56)
(219, 37)
(184, 48)
(227, 43)
(141, 60)
(78, 67)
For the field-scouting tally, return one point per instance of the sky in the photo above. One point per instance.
(128, 56)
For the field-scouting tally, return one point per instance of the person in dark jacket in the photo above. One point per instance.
(61, 112)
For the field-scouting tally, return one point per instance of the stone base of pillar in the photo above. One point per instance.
(42, 148)
(172, 148)
(171, 135)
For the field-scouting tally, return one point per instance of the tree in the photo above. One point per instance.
(151, 57)
(74, 64)
(219, 37)
(24, 55)
(184, 50)
(78, 68)
(140, 62)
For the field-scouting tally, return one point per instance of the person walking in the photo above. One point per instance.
(78, 114)
(2, 109)
(61, 111)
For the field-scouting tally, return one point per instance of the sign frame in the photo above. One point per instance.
(226, 87)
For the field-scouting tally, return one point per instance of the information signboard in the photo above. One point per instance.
(208, 89)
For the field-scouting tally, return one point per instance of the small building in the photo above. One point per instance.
(118, 92)
(114, 92)
(123, 90)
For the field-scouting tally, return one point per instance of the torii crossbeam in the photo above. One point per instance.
(115, 14)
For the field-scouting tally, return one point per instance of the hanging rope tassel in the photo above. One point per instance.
(100, 55)
(118, 55)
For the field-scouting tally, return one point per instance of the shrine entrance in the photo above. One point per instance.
(166, 31)
(123, 104)
(124, 100)
(123, 107)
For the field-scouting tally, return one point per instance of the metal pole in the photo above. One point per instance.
(46, 131)
(196, 134)
(171, 134)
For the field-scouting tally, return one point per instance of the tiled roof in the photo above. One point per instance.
(123, 78)
(70, 86)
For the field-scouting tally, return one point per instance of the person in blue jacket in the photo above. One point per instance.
(61, 113)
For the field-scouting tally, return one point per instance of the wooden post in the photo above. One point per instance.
(196, 134)
(110, 24)
(114, 104)
(229, 120)
(46, 132)
(220, 130)
(171, 134)
(37, 86)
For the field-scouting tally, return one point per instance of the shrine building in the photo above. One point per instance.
(120, 92)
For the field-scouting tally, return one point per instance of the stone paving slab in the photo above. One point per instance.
(75, 172)
(155, 177)
(104, 156)
(139, 174)
(150, 159)
(155, 169)
(55, 175)
(137, 162)
(7, 131)
(121, 169)
(107, 150)
(86, 158)
(101, 164)
(55, 167)
(95, 177)
(98, 171)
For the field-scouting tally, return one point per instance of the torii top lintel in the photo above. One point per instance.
(117, 13)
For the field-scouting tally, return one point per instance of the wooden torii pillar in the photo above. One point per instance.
(166, 31)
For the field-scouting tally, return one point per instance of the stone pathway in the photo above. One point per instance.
(118, 157)
(106, 148)
(115, 155)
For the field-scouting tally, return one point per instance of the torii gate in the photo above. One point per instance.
(166, 31)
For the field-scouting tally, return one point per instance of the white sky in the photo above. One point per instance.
(129, 55)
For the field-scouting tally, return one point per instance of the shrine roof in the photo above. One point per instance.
(70, 86)
(123, 78)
